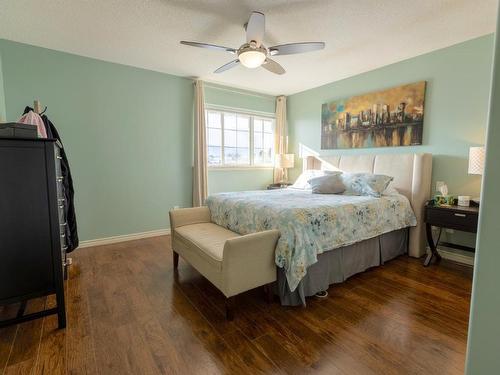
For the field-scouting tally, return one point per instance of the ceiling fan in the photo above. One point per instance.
(253, 53)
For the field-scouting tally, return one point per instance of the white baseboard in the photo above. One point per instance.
(455, 255)
(124, 237)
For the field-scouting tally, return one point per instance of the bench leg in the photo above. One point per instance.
(176, 259)
(230, 302)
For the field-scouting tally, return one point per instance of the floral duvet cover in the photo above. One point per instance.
(310, 224)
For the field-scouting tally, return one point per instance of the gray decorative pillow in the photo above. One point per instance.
(365, 183)
(328, 184)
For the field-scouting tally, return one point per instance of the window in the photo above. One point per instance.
(239, 139)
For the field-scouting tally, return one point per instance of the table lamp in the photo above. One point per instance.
(284, 161)
(476, 163)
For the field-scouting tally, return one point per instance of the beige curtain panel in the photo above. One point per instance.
(281, 137)
(200, 173)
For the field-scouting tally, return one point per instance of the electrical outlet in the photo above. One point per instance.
(439, 184)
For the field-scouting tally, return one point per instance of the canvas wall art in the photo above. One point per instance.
(387, 118)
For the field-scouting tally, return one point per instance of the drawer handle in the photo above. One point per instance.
(460, 215)
(60, 179)
(61, 206)
(63, 235)
(63, 224)
(59, 157)
(65, 248)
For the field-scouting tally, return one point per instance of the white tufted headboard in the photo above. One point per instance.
(412, 178)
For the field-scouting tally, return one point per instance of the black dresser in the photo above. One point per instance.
(32, 226)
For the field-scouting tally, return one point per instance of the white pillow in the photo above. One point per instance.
(302, 181)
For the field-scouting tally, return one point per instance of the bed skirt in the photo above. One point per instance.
(336, 266)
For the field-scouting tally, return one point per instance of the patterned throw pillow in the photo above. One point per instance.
(365, 183)
(328, 184)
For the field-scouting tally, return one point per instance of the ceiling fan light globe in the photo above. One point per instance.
(252, 59)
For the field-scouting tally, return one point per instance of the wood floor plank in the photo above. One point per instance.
(52, 353)
(7, 334)
(162, 351)
(249, 352)
(419, 309)
(80, 351)
(104, 313)
(427, 347)
(227, 359)
(215, 316)
(281, 355)
(129, 312)
(26, 346)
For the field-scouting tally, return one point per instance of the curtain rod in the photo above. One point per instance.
(252, 112)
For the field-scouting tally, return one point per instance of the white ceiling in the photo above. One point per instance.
(360, 35)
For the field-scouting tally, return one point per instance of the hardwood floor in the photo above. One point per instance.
(129, 314)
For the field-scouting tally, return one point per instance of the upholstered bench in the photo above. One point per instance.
(232, 262)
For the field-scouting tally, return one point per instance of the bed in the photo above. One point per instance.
(326, 238)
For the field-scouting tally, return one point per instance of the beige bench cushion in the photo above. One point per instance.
(208, 238)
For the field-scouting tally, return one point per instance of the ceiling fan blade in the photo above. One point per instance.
(292, 48)
(227, 66)
(209, 46)
(273, 67)
(256, 27)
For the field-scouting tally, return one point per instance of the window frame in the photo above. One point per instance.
(252, 115)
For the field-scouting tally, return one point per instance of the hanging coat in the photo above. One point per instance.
(69, 207)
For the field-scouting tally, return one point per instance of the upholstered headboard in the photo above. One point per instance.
(412, 178)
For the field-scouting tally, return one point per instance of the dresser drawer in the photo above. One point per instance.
(459, 220)
(60, 187)
(60, 212)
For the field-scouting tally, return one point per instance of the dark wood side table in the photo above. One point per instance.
(451, 217)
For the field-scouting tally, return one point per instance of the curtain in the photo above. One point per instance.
(200, 174)
(281, 136)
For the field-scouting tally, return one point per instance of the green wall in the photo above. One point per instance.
(456, 107)
(223, 180)
(236, 98)
(220, 180)
(127, 132)
(484, 328)
(3, 114)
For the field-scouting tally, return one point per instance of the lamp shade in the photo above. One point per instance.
(285, 160)
(476, 160)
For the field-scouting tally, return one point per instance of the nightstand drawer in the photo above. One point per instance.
(459, 220)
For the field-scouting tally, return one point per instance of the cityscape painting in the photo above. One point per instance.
(387, 118)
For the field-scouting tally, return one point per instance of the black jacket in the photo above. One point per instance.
(69, 207)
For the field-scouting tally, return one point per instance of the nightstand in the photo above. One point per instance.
(280, 185)
(451, 217)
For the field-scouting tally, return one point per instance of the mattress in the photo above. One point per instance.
(309, 224)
